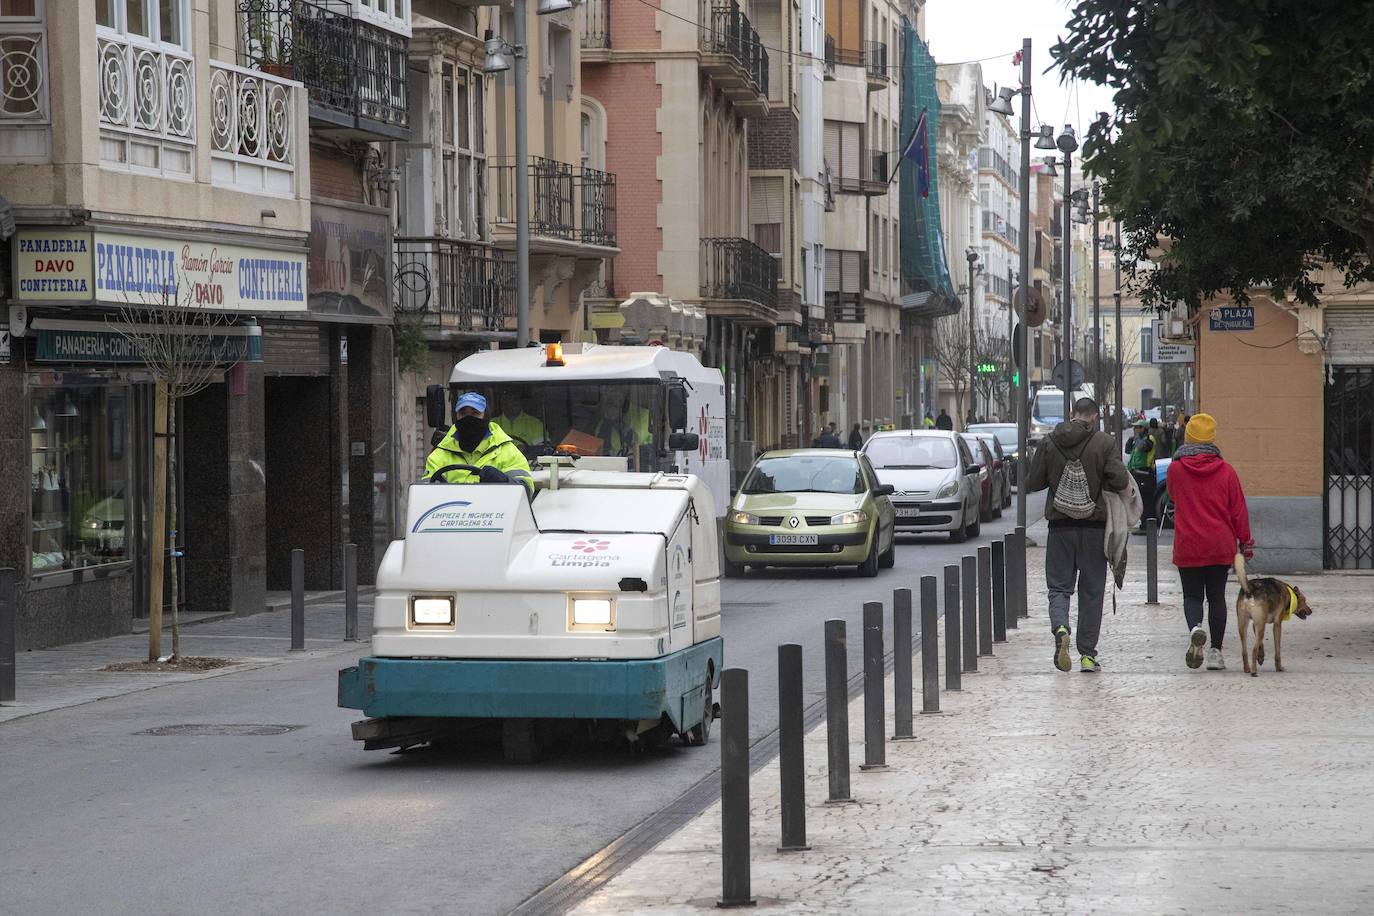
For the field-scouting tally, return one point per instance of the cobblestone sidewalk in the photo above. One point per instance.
(1149, 788)
(48, 679)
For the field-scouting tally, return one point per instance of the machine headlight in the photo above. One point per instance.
(854, 517)
(947, 490)
(431, 610)
(740, 517)
(598, 613)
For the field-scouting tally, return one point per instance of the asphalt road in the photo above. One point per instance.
(96, 815)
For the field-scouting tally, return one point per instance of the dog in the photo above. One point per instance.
(1265, 601)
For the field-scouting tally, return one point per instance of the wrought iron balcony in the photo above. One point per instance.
(734, 57)
(844, 308)
(875, 63)
(595, 22)
(875, 178)
(567, 203)
(737, 269)
(455, 284)
(355, 72)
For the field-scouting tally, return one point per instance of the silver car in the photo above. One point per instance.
(935, 480)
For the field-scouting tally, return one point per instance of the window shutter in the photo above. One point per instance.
(851, 146)
(832, 146)
(832, 270)
(765, 200)
(851, 272)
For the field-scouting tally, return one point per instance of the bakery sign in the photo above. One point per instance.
(105, 267)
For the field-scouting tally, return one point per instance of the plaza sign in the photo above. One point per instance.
(1232, 318)
(109, 268)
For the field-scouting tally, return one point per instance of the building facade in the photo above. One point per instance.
(166, 170)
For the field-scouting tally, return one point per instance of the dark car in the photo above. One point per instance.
(1005, 434)
(989, 477)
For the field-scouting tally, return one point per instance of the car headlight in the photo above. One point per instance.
(853, 517)
(598, 613)
(947, 490)
(740, 517)
(431, 610)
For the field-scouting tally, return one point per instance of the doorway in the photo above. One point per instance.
(298, 433)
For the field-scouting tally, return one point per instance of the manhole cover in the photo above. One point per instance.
(220, 731)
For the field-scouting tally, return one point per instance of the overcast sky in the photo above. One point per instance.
(960, 30)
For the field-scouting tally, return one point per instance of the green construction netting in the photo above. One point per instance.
(926, 286)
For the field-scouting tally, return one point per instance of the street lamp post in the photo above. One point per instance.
(498, 59)
(1097, 300)
(1067, 143)
(1120, 360)
(1002, 105)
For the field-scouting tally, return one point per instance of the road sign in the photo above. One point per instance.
(1232, 318)
(1068, 374)
(1162, 351)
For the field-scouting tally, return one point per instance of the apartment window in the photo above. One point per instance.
(23, 81)
(844, 271)
(766, 213)
(392, 15)
(1147, 342)
(844, 151)
(147, 124)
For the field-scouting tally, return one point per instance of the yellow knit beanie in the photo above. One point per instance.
(1201, 430)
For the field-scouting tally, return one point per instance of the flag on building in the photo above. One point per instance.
(918, 151)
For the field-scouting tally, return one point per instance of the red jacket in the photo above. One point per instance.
(1209, 511)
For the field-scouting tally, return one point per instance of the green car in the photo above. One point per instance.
(811, 507)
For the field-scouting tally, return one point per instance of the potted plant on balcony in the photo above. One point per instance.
(268, 47)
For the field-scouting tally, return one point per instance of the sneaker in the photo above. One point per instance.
(1197, 640)
(1214, 660)
(1061, 649)
(1088, 665)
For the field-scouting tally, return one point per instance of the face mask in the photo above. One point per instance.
(471, 431)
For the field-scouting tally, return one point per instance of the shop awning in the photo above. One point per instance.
(62, 340)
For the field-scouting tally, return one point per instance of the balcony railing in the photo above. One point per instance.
(733, 268)
(829, 67)
(876, 175)
(24, 64)
(354, 71)
(146, 89)
(595, 16)
(566, 202)
(844, 308)
(252, 130)
(875, 62)
(730, 33)
(457, 284)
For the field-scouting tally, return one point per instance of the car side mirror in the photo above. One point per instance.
(972, 469)
(677, 406)
(436, 410)
(884, 489)
(683, 442)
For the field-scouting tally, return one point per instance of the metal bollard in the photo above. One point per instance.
(9, 642)
(930, 648)
(350, 593)
(984, 600)
(837, 710)
(969, 578)
(297, 600)
(901, 664)
(999, 591)
(734, 789)
(875, 703)
(1023, 588)
(953, 642)
(1014, 550)
(791, 756)
(1152, 561)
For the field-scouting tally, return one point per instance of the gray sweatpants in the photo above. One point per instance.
(1075, 552)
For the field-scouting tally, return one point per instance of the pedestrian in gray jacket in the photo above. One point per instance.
(1074, 554)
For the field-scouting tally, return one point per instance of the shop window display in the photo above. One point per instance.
(79, 443)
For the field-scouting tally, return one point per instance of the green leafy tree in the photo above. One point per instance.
(1244, 135)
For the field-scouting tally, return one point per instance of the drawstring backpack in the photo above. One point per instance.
(1072, 495)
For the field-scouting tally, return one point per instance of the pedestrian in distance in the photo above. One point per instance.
(1211, 525)
(928, 422)
(1167, 440)
(829, 438)
(1078, 463)
(944, 420)
(1142, 467)
(856, 438)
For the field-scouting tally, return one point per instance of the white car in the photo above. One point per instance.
(935, 480)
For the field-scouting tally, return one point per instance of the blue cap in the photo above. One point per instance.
(471, 399)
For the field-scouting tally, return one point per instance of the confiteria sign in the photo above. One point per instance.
(75, 267)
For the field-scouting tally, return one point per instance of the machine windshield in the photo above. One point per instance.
(619, 419)
(911, 452)
(1049, 407)
(805, 474)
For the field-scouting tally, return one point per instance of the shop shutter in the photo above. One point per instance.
(1350, 336)
(295, 349)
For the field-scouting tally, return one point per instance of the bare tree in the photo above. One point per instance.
(184, 347)
(959, 359)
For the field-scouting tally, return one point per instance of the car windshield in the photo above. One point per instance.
(804, 474)
(1005, 435)
(893, 452)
